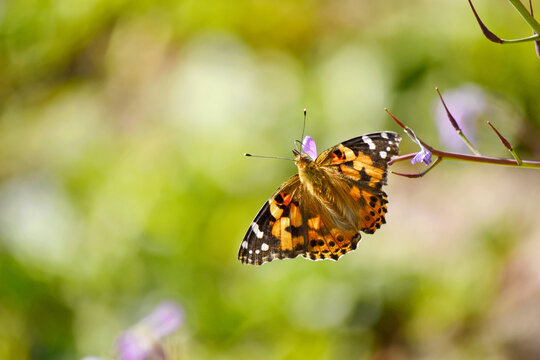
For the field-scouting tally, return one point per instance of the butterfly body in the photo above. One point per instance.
(311, 175)
(320, 212)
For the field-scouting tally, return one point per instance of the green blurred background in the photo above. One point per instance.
(122, 180)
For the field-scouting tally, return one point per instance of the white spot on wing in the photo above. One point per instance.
(384, 135)
(256, 230)
(264, 247)
(244, 244)
(257, 251)
(382, 154)
(368, 141)
(388, 148)
(251, 251)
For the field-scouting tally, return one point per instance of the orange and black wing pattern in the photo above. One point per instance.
(293, 223)
(326, 239)
(277, 232)
(360, 167)
(363, 159)
(325, 224)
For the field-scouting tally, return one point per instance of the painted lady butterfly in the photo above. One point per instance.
(319, 212)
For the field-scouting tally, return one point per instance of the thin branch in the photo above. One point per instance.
(456, 126)
(494, 38)
(488, 34)
(534, 37)
(418, 175)
(395, 119)
(529, 19)
(506, 144)
(503, 139)
(408, 131)
(486, 159)
(536, 43)
(401, 158)
(472, 158)
(462, 157)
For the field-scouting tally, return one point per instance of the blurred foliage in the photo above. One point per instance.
(122, 125)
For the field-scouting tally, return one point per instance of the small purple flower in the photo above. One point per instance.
(466, 104)
(139, 344)
(309, 147)
(424, 154)
(142, 341)
(165, 319)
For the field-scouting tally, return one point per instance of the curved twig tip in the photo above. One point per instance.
(395, 119)
(487, 33)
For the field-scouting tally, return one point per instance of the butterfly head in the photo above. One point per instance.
(301, 160)
(306, 161)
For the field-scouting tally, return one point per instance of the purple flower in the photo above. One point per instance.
(466, 104)
(309, 147)
(424, 154)
(142, 341)
(165, 319)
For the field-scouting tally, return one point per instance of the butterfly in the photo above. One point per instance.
(320, 211)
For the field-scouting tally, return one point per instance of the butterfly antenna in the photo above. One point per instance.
(298, 143)
(268, 157)
(304, 127)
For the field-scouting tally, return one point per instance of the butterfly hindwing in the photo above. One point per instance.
(369, 206)
(292, 223)
(326, 223)
(363, 163)
(326, 240)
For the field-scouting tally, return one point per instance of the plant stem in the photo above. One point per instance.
(471, 158)
(460, 157)
(506, 143)
(418, 175)
(526, 15)
(456, 125)
(494, 38)
(468, 143)
(534, 37)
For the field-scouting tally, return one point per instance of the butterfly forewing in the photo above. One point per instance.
(363, 158)
(363, 162)
(296, 222)
(277, 231)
